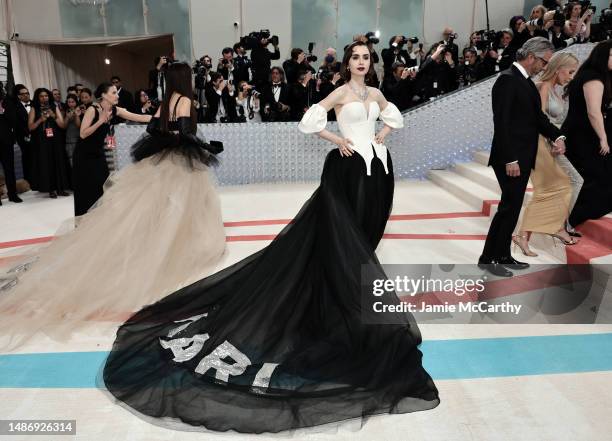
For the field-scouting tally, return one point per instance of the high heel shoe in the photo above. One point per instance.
(524, 248)
(563, 240)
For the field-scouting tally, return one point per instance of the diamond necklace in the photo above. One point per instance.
(361, 95)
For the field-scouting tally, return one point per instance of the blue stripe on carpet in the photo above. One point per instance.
(443, 359)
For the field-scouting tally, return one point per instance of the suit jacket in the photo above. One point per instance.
(7, 122)
(20, 116)
(267, 98)
(126, 100)
(213, 99)
(518, 120)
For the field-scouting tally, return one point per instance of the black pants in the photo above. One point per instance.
(7, 158)
(27, 160)
(499, 237)
(595, 197)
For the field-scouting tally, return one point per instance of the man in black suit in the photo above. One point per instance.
(276, 98)
(261, 61)
(518, 121)
(449, 42)
(21, 108)
(221, 101)
(7, 140)
(126, 100)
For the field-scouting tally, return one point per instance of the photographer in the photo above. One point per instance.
(275, 95)
(396, 53)
(399, 87)
(301, 95)
(296, 65)
(143, 105)
(247, 103)
(330, 62)
(520, 33)
(438, 73)
(449, 42)
(262, 59)
(220, 99)
(242, 64)
(501, 56)
(540, 21)
(226, 64)
(327, 81)
(472, 69)
(579, 16)
(157, 81)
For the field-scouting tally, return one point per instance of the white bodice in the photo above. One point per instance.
(357, 124)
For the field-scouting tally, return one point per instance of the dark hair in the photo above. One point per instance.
(295, 53)
(470, 50)
(392, 40)
(569, 8)
(227, 50)
(72, 96)
(280, 71)
(87, 90)
(115, 77)
(178, 80)
(36, 100)
(345, 71)
(70, 88)
(77, 85)
(236, 46)
(514, 20)
(598, 62)
(16, 89)
(137, 95)
(102, 88)
(214, 76)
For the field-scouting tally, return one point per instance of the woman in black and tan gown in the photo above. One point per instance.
(283, 339)
(157, 228)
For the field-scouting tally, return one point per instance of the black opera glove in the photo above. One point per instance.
(186, 132)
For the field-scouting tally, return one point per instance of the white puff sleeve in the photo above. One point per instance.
(392, 116)
(314, 120)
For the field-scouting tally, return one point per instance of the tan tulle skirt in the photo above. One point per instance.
(157, 228)
(548, 208)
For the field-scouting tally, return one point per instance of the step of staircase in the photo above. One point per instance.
(478, 173)
(464, 188)
(482, 157)
(599, 231)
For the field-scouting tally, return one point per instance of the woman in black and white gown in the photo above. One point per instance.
(281, 340)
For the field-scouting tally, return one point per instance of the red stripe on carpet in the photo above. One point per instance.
(23, 242)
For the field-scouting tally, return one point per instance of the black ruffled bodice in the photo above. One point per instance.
(179, 139)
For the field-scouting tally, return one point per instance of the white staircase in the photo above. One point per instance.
(475, 183)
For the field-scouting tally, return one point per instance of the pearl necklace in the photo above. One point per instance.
(361, 95)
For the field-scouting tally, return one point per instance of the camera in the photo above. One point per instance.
(404, 40)
(309, 57)
(413, 69)
(451, 40)
(538, 22)
(253, 40)
(586, 4)
(371, 38)
(487, 38)
(323, 75)
(559, 18)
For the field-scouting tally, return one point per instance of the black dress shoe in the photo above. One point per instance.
(574, 233)
(53, 195)
(512, 263)
(62, 193)
(494, 267)
(15, 199)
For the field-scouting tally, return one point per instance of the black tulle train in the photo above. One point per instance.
(280, 340)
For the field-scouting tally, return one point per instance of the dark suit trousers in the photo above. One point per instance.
(504, 222)
(7, 158)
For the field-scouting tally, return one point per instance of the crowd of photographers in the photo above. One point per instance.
(242, 88)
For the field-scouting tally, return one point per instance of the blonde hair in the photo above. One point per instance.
(557, 62)
(535, 8)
